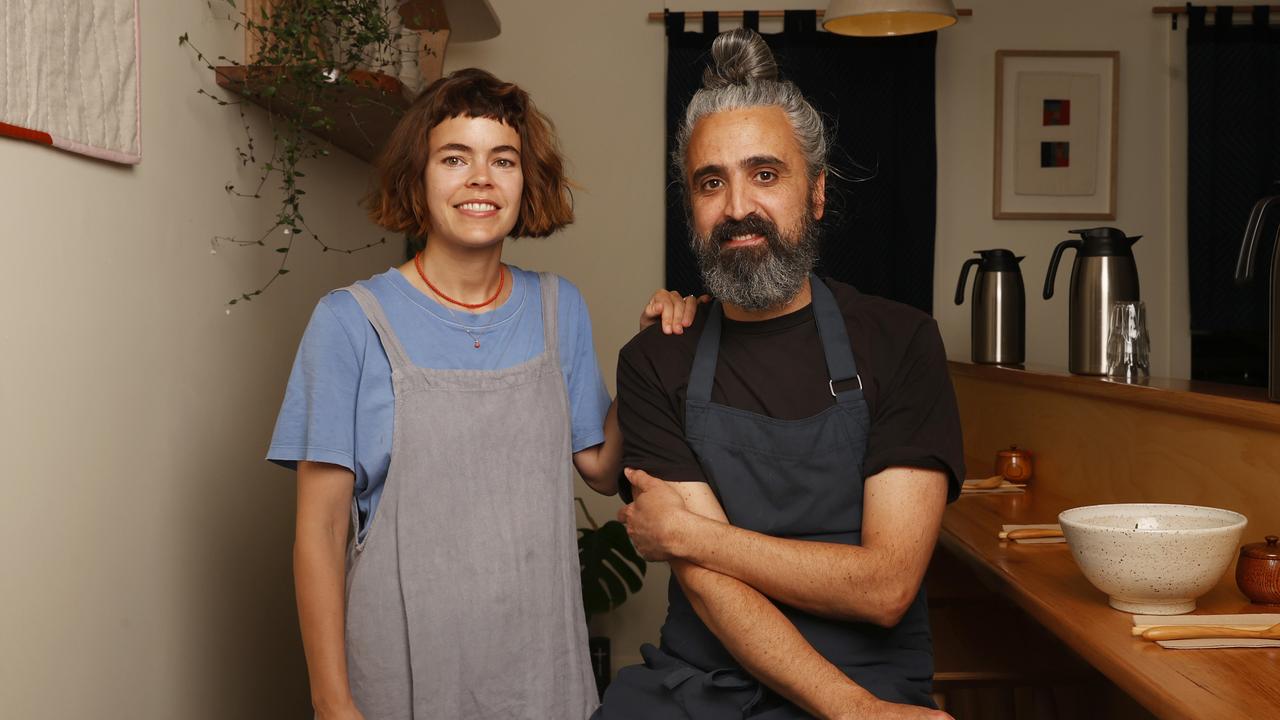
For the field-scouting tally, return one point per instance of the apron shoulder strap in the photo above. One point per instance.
(550, 294)
(378, 319)
(703, 372)
(835, 339)
(841, 367)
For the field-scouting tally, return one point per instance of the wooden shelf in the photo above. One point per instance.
(369, 109)
(737, 14)
(365, 115)
(1229, 403)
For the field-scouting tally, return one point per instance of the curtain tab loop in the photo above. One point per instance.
(675, 22)
(1195, 16)
(751, 20)
(1262, 18)
(710, 23)
(1223, 16)
(799, 22)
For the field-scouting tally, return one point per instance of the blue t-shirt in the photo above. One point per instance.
(339, 404)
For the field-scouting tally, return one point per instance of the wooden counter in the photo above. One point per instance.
(1045, 582)
(1095, 441)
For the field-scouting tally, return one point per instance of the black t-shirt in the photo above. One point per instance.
(777, 368)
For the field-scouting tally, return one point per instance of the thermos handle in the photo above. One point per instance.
(964, 275)
(1053, 264)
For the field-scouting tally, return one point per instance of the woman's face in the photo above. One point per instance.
(474, 181)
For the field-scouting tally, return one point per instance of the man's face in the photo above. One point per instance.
(754, 210)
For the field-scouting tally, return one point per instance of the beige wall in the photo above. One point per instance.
(149, 546)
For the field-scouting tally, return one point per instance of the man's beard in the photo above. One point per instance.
(759, 277)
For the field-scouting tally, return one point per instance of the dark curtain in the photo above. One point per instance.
(1233, 156)
(877, 96)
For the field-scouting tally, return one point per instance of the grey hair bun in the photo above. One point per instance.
(740, 57)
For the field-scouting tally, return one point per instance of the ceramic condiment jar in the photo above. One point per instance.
(1014, 464)
(1258, 571)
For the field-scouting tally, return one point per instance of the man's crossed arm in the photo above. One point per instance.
(727, 572)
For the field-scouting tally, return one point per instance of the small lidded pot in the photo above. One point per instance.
(1258, 571)
(1014, 464)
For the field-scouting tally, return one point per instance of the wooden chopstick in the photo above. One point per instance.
(1138, 630)
(1030, 533)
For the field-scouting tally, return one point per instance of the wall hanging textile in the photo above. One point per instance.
(71, 76)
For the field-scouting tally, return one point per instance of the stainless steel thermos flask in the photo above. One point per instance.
(999, 308)
(1104, 272)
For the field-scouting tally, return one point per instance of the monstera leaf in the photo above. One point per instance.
(611, 567)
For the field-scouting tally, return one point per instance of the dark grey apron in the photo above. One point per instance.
(464, 600)
(786, 478)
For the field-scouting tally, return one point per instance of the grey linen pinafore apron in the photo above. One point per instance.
(464, 600)
(787, 478)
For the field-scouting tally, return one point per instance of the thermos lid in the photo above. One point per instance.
(1105, 241)
(997, 260)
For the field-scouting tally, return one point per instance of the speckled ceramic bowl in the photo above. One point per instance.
(1152, 559)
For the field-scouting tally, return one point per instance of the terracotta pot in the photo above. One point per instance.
(1258, 571)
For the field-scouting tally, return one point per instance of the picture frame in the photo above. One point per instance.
(1056, 130)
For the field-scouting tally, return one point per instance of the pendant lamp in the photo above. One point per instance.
(875, 18)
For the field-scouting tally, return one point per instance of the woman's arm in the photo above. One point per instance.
(319, 572)
(599, 465)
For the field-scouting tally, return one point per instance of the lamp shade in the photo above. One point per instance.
(870, 18)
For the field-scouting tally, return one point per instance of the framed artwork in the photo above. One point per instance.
(1055, 143)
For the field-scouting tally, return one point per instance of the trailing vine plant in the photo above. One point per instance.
(308, 50)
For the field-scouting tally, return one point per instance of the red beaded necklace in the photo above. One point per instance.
(417, 262)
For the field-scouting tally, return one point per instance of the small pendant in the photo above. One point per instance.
(477, 344)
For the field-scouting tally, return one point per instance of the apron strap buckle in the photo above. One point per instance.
(831, 384)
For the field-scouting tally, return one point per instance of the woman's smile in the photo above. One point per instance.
(478, 209)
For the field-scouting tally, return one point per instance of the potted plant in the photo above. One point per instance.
(611, 571)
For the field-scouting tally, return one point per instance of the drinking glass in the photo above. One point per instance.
(1129, 347)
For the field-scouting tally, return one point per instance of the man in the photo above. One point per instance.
(791, 453)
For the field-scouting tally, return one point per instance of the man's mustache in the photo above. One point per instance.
(750, 225)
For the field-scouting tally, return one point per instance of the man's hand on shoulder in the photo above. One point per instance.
(656, 517)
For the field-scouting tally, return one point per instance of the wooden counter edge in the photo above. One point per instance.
(1225, 403)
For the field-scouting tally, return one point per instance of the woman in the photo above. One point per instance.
(436, 407)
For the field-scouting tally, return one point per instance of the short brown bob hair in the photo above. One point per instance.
(398, 202)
